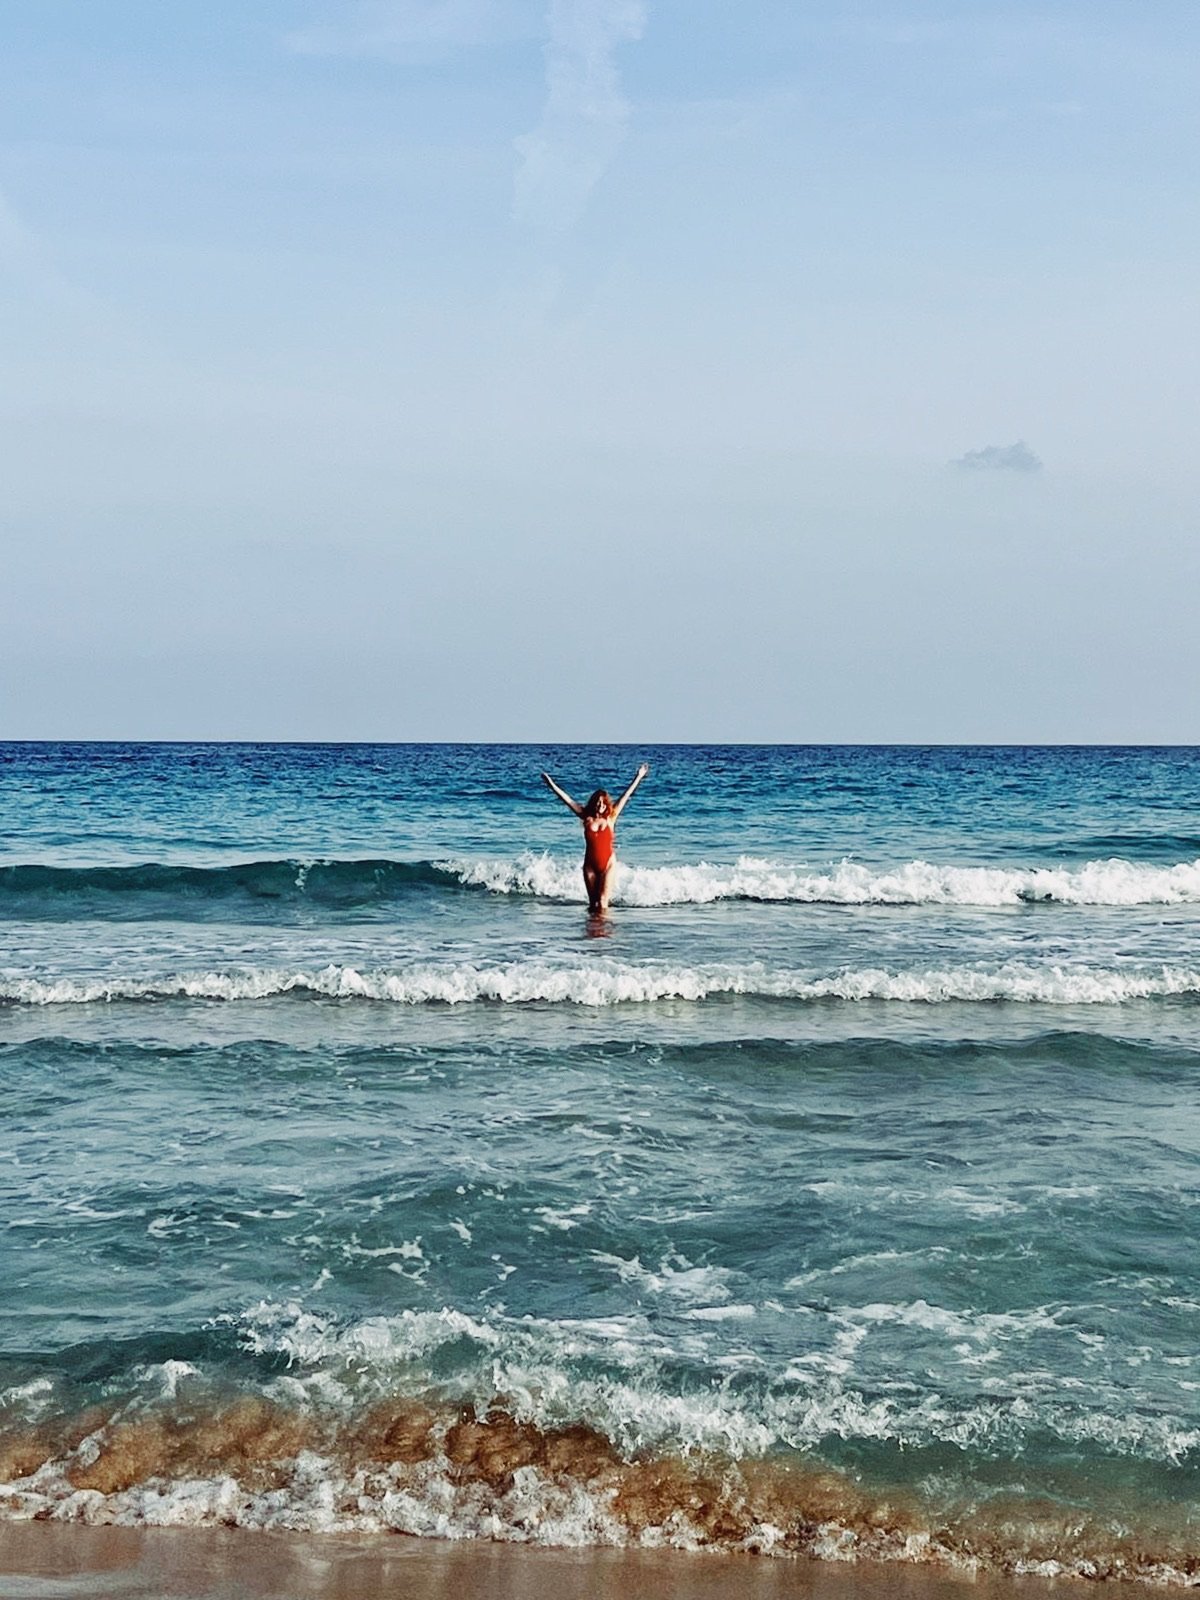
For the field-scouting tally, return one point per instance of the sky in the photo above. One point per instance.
(600, 370)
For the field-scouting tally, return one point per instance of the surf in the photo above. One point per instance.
(608, 982)
(1112, 882)
(33, 889)
(573, 1434)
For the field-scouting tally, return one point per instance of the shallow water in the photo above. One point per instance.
(836, 1194)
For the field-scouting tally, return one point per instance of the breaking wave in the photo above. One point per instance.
(567, 1434)
(605, 982)
(1095, 883)
(50, 890)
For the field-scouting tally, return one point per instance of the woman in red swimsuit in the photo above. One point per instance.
(599, 818)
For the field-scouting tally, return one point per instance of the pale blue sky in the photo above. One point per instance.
(596, 370)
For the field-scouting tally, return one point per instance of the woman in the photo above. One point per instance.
(599, 818)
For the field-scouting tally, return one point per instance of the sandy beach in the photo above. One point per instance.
(46, 1562)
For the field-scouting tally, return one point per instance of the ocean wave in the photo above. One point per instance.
(513, 983)
(611, 1374)
(566, 1434)
(1112, 882)
(320, 882)
(30, 889)
(605, 982)
(489, 1476)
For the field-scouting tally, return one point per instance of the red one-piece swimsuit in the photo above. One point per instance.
(598, 843)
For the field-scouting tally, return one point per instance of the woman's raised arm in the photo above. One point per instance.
(620, 805)
(571, 805)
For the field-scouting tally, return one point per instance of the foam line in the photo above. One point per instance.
(608, 983)
(1095, 883)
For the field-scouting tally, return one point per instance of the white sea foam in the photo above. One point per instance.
(30, 1397)
(1114, 882)
(973, 1325)
(546, 1373)
(605, 982)
(165, 1376)
(309, 1339)
(859, 1263)
(675, 1276)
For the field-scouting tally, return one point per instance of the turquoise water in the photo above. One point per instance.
(836, 1193)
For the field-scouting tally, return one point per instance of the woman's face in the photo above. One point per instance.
(602, 807)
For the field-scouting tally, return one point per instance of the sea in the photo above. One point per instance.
(837, 1194)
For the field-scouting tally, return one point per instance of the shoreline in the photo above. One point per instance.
(51, 1561)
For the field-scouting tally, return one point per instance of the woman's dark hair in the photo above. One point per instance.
(592, 807)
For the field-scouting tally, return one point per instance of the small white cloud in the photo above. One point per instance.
(1001, 458)
(585, 115)
(418, 30)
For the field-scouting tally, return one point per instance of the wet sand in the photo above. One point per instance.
(42, 1561)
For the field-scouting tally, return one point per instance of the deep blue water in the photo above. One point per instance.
(857, 1147)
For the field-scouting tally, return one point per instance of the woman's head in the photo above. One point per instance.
(600, 805)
